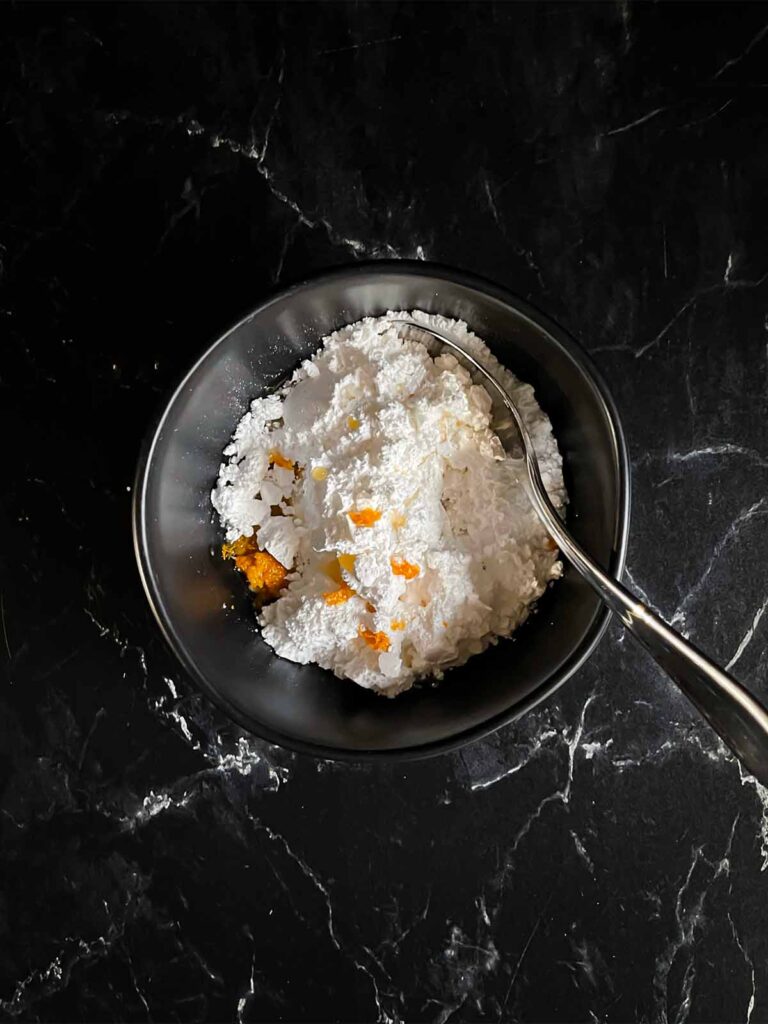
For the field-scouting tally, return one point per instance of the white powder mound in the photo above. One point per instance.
(372, 422)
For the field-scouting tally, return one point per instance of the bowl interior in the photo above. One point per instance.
(203, 606)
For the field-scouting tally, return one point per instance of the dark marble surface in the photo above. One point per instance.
(163, 169)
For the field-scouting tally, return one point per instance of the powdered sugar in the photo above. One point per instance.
(377, 430)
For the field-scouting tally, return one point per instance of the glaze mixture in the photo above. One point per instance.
(384, 533)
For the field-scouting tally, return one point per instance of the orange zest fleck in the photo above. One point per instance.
(263, 571)
(353, 422)
(347, 562)
(331, 568)
(340, 595)
(278, 459)
(376, 641)
(319, 473)
(397, 624)
(241, 546)
(402, 568)
(265, 575)
(369, 607)
(365, 516)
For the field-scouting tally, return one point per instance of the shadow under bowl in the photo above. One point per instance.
(202, 606)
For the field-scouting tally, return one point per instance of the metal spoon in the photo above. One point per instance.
(739, 719)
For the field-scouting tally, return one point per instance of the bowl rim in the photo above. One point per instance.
(405, 267)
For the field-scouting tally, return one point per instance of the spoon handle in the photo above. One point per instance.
(739, 718)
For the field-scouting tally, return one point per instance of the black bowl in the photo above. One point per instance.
(191, 589)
